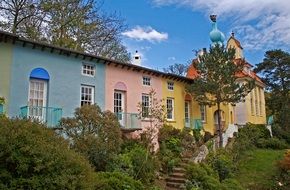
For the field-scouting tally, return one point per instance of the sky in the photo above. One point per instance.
(166, 32)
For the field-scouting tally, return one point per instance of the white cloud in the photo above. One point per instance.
(171, 58)
(259, 24)
(146, 33)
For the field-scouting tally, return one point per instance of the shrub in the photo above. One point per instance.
(116, 181)
(272, 143)
(95, 134)
(231, 184)
(137, 163)
(34, 157)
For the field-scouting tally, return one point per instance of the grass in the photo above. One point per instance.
(258, 167)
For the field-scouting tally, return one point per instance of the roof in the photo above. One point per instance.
(192, 72)
(236, 41)
(7, 37)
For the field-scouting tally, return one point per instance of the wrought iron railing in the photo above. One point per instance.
(49, 115)
(129, 120)
(193, 123)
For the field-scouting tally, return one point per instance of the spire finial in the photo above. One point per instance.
(233, 34)
(213, 18)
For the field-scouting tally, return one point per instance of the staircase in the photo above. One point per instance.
(176, 180)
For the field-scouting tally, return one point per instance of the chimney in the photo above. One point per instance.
(136, 59)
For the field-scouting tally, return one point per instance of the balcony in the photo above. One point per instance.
(129, 121)
(1, 109)
(193, 123)
(48, 115)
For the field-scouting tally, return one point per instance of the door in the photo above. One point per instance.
(119, 106)
(187, 113)
(37, 99)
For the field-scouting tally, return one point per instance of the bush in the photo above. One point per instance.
(95, 134)
(34, 157)
(272, 143)
(231, 184)
(116, 181)
(137, 163)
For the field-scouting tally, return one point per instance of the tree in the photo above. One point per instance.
(177, 69)
(275, 70)
(95, 134)
(76, 24)
(35, 157)
(217, 80)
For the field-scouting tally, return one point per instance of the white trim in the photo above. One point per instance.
(172, 111)
(92, 94)
(149, 81)
(88, 70)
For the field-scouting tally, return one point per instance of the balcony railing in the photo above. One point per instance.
(193, 123)
(1, 109)
(49, 115)
(129, 120)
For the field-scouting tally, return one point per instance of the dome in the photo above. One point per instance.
(215, 35)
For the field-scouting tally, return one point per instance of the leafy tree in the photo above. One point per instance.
(74, 24)
(35, 157)
(177, 69)
(217, 80)
(275, 70)
(95, 134)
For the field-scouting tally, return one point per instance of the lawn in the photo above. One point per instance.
(257, 168)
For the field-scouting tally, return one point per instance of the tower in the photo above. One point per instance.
(216, 36)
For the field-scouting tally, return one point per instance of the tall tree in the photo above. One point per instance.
(177, 69)
(76, 24)
(217, 80)
(275, 70)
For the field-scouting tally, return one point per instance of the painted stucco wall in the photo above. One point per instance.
(135, 88)
(5, 71)
(232, 44)
(65, 79)
(178, 94)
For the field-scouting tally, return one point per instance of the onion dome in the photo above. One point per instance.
(216, 36)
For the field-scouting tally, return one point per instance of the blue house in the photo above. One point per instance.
(46, 82)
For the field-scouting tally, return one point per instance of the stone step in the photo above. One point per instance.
(174, 185)
(177, 175)
(178, 170)
(175, 180)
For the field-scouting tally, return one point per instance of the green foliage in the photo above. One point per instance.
(95, 134)
(276, 73)
(231, 184)
(284, 171)
(116, 181)
(173, 144)
(222, 163)
(273, 143)
(136, 162)
(2, 100)
(34, 157)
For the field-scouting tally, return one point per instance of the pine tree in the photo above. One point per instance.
(216, 82)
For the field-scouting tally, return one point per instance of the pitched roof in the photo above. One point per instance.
(236, 41)
(7, 37)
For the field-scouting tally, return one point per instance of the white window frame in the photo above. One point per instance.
(203, 113)
(171, 107)
(252, 103)
(256, 102)
(170, 85)
(145, 100)
(92, 94)
(88, 70)
(146, 81)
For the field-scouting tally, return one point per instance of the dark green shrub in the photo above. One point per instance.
(116, 181)
(281, 133)
(231, 184)
(137, 163)
(272, 143)
(34, 157)
(95, 134)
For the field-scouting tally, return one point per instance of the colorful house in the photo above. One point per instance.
(250, 111)
(46, 82)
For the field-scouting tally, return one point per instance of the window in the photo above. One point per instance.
(146, 81)
(37, 98)
(256, 102)
(88, 70)
(145, 105)
(252, 103)
(170, 108)
(203, 113)
(186, 112)
(87, 95)
(170, 85)
(260, 102)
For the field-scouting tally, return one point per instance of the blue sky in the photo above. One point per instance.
(168, 31)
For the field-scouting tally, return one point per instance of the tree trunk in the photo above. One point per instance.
(219, 127)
